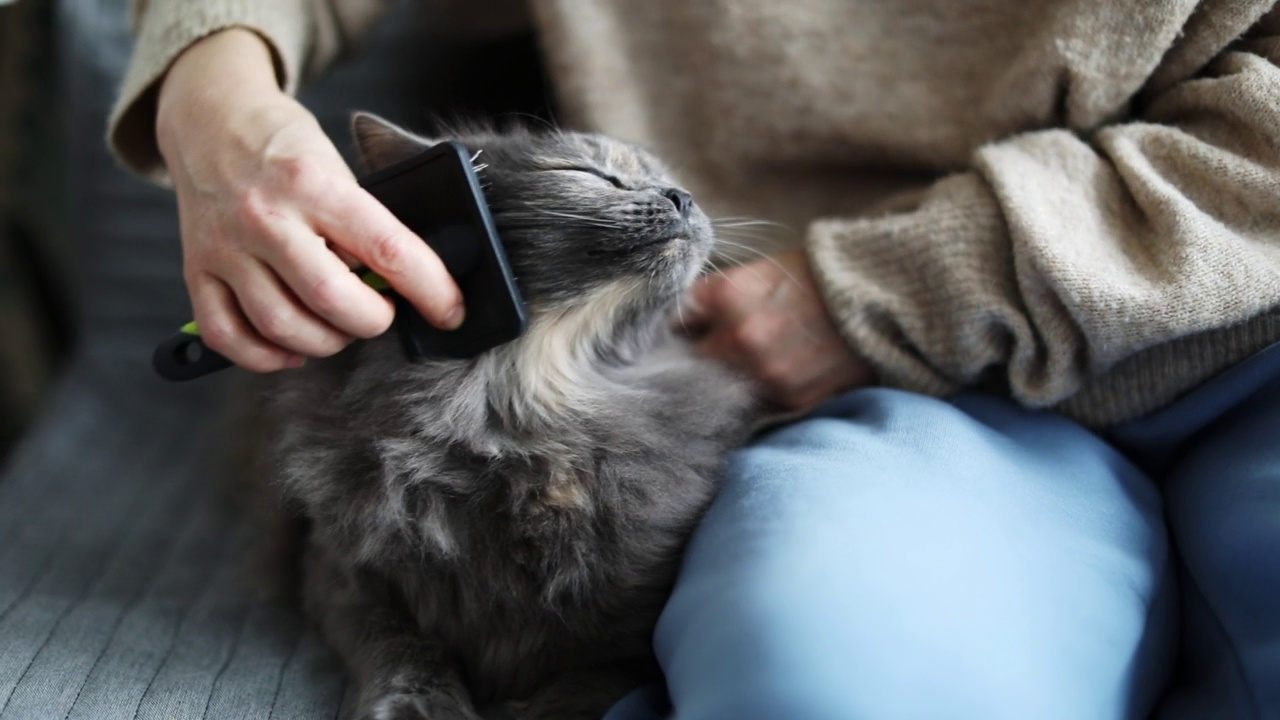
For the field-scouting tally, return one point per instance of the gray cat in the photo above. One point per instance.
(498, 535)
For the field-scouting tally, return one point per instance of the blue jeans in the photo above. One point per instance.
(897, 556)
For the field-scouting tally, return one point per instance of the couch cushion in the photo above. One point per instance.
(121, 585)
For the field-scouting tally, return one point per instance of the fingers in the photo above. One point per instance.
(279, 318)
(322, 281)
(728, 298)
(788, 371)
(756, 346)
(252, 175)
(711, 303)
(363, 227)
(692, 318)
(224, 329)
(347, 258)
(767, 322)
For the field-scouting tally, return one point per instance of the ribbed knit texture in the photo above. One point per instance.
(1087, 195)
(121, 593)
(120, 577)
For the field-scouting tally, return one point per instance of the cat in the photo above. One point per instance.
(495, 537)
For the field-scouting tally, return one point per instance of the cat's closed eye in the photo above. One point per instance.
(611, 179)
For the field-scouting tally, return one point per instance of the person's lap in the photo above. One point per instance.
(1217, 456)
(896, 556)
(900, 556)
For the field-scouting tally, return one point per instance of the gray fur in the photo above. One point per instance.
(499, 534)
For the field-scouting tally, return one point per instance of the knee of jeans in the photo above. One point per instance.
(769, 697)
(876, 406)
(932, 425)
(958, 691)
(1227, 529)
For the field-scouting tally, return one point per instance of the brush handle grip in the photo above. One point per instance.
(184, 356)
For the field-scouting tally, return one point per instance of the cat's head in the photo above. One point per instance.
(585, 219)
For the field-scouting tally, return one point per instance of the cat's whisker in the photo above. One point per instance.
(762, 256)
(680, 314)
(754, 242)
(791, 315)
(759, 232)
(597, 222)
(737, 218)
(758, 237)
(747, 234)
(532, 215)
(726, 243)
(729, 278)
(746, 220)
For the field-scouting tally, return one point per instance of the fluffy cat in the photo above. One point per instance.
(497, 535)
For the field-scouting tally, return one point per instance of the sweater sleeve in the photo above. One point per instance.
(304, 37)
(1104, 273)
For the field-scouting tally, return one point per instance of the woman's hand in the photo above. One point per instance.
(767, 320)
(272, 218)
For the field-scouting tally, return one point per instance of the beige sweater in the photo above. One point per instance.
(1074, 201)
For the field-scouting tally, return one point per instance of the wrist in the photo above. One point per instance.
(217, 75)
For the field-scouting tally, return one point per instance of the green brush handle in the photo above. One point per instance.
(184, 356)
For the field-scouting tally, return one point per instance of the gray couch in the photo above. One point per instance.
(120, 594)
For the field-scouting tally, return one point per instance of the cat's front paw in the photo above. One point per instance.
(416, 706)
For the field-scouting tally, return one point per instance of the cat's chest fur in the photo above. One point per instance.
(530, 541)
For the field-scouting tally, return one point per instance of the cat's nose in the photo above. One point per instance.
(681, 199)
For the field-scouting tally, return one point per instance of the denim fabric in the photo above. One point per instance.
(1216, 456)
(895, 556)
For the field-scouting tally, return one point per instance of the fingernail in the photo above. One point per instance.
(296, 361)
(454, 317)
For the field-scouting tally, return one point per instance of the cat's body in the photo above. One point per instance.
(502, 532)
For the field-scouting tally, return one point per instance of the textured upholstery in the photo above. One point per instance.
(120, 595)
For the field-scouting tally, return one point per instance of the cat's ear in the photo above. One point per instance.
(380, 143)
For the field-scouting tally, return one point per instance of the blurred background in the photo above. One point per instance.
(35, 303)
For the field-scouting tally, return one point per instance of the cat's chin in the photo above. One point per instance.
(692, 255)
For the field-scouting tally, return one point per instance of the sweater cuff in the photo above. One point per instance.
(931, 297)
(927, 296)
(164, 29)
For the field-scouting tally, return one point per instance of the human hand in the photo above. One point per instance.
(767, 320)
(272, 219)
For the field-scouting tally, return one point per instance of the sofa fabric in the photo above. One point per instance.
(121, 591)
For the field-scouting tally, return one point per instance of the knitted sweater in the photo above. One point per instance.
(1075, 202)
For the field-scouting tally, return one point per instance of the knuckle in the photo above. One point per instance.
(376, 325)
(333, 345)
(276, 324)
(262, 363)
(751, 336)
(775, 373)
(294, 170)
(317, 188)
(722, 294)
(386, 252)
(326, 295)
(777, 376)
(330, 301)
(218, 334)
(251, 209)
